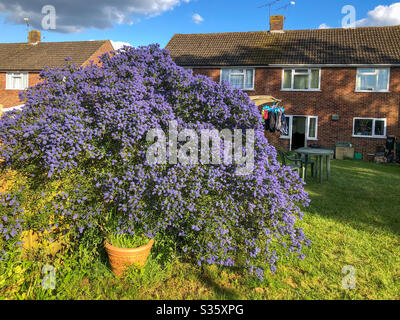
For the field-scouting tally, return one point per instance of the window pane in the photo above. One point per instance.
(237, 81)
(366, 82)
(363, 127)
(373, 79)
(300, 82)
(225, 75)
(287, 119)
(383, 79)
(361, 71)
(301, 71)
(286, 133)
(287, 79)
(249, 79)
(238, 78)
(17, 82)
(315, 79)
(312, 129)
(379, 128)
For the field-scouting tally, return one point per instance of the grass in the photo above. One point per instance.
(127, 241)
(353, 220)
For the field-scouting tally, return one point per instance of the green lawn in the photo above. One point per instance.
(353, 220)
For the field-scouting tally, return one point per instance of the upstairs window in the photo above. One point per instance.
(301, 79)
(372, 79)
(16, 81)
(239, 78)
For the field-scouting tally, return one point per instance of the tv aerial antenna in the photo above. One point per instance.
(291, 3)
(285, 7)
(272, 3)
(27, 23)
(269, 5)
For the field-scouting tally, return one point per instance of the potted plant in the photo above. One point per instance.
(364, 127)
(124, 249)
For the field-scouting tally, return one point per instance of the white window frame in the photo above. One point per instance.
(241, 74)
(377, 79)
(309, 70)
(20, 107)
(307, 129)
(373, 136)
(9, 80)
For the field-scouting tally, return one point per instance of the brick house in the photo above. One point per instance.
(21, 63)
(337, 85)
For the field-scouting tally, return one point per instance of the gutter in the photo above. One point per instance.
(20, 70)
(293, 65)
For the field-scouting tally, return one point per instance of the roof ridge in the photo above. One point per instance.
(287, 30)
(44, 42)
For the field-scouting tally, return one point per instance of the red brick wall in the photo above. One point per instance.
(10, 98)
(337, 96)
(107, 47)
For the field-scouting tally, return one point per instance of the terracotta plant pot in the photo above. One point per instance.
(122, 258)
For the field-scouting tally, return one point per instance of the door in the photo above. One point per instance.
(299, 132)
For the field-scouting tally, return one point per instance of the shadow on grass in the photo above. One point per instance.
(364, 195)
(220, 292)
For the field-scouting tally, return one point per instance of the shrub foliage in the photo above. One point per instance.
(80, 143)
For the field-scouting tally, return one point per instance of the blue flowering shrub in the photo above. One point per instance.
(80, 142)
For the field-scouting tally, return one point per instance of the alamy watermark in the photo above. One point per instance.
(349, 281)
(349, 20)
(231, 152)
(49, 20)
(49, 280)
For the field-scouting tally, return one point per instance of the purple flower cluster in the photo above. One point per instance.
(93, 121)
(11, 217)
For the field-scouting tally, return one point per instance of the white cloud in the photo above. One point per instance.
(196, 18)
(119, 44)
(382, 16)
(77, 15)
(323, 26)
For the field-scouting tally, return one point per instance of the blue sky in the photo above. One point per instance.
(141, 22)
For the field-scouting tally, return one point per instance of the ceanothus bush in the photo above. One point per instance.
(88, 126)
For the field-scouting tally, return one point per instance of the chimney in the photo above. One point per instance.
(276, 24)
(34, 37)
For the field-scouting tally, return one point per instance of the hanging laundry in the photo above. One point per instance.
(274, 118)
(272, 122)
(265, 116)
(267, 121)
(278, 124)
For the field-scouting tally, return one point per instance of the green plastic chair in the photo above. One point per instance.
(296, 163)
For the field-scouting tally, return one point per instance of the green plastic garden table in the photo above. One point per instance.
(320, 155)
